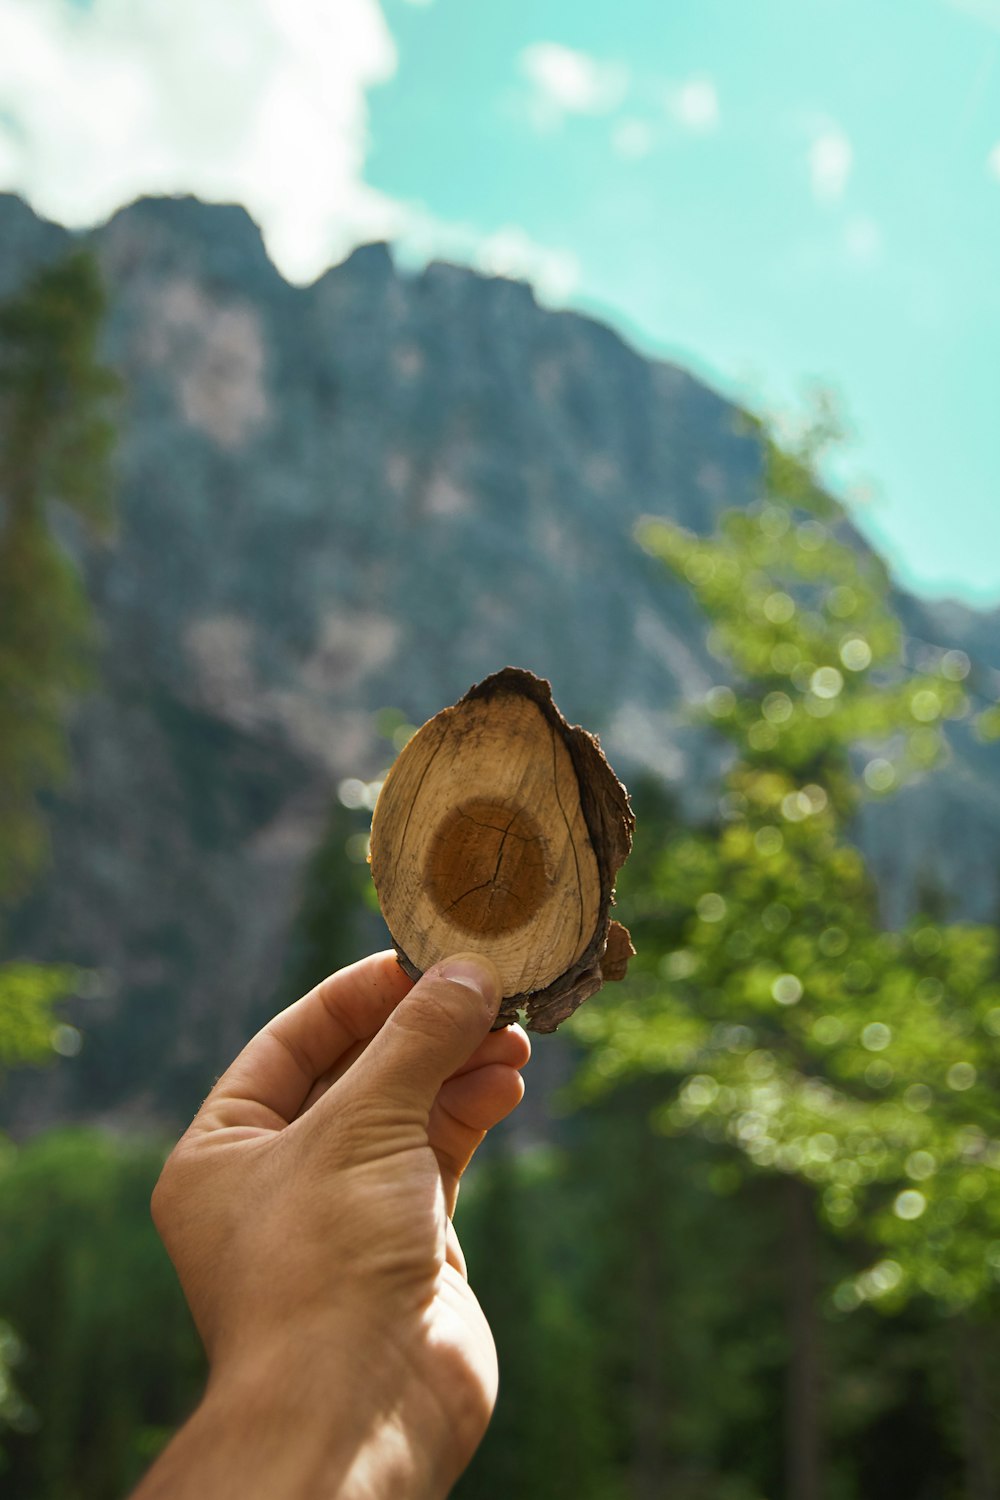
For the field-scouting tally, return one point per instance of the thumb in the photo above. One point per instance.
(432, 1031)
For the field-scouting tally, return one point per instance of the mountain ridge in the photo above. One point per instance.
(370, 491)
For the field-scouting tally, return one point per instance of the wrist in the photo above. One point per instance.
(334, 1414)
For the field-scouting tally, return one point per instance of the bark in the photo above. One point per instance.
(977, 1411)
(803, 1391)
(649, 1412)
(650, 1455)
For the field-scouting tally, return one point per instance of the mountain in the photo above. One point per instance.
(364, 493)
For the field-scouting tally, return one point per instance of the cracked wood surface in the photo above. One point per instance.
(499, 830)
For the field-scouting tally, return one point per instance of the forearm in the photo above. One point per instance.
(294, 1430)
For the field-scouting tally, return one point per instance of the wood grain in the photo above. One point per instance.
(481, 842)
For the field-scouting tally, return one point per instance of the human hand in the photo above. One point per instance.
(307, 1210)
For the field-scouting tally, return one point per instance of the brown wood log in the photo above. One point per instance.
(500, 830)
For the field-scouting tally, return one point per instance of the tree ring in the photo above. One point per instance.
(486, 868)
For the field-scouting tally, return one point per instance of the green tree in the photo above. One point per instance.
(55, 447)
(56, 441)
(107, 1360)
(858, 1065)
(521, 1222)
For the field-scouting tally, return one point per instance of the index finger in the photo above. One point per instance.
(268, 1083)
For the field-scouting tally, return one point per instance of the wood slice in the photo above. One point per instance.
(499, 830)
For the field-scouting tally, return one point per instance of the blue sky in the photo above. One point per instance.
(835, 216)
(769, 191)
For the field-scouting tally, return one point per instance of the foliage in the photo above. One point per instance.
(55, 451)
(815, 1043)
(551, 1434)
(108, 1359)
(15, 1413)
(27, 1024)
(55, 447)
(635, 1286)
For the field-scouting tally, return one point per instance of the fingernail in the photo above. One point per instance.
(477, 973)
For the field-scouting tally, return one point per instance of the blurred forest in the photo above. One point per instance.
(759, 1256)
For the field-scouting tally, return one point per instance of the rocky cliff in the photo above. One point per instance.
(368, 492)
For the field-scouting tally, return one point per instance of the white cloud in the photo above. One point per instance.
(257, 101)
(260, 102)
(565, 82)
(694, 105)
(632, 138)
(993, 162)
(831, 158)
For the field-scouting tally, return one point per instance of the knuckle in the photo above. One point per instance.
(442, 1004)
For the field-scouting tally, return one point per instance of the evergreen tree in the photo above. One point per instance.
(55, 450)
(106, 1359)
(55, 469)
(549, 1439)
